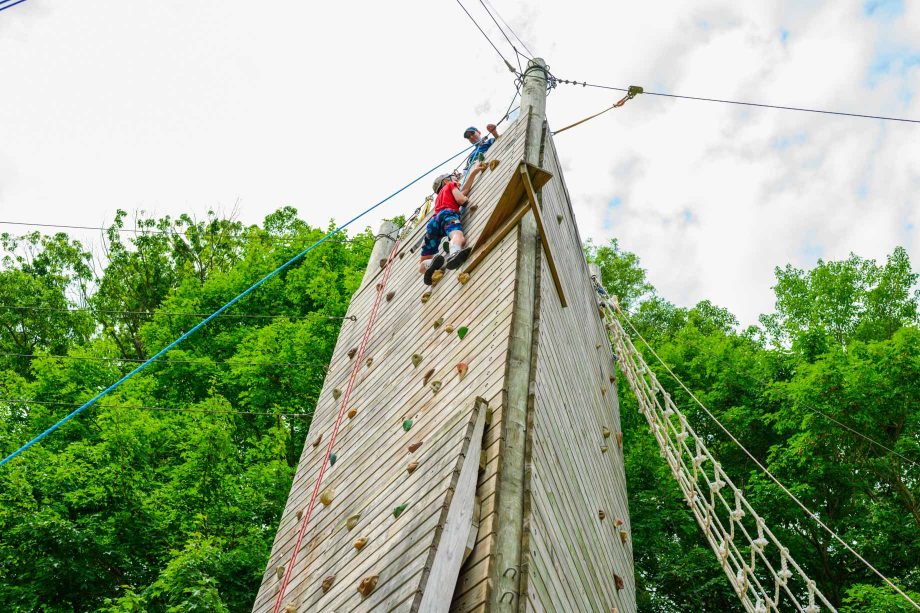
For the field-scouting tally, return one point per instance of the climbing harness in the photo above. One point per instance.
(634, 90)
(358, 361)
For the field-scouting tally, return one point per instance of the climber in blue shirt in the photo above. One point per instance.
(481, 145)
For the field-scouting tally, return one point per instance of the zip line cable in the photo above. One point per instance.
(741, 103)
(200, 362)
(155, 408)
(517, 54)
(12, 307)
(478, 27)
(510, 29)
(765, 470)
(217, 313)
(9, 6)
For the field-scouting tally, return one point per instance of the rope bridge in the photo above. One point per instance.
(756, 563)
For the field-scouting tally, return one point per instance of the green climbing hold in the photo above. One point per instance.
(332, 459)
(407, 425)
(398, 510)
(462, 332)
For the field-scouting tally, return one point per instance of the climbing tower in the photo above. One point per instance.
(467, 437)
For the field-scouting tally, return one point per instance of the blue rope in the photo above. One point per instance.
(9, 6)
(273, 273)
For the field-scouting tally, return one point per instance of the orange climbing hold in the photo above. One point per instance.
(327, 583)
(620, 440)
(410, 468)
(367, 585)
(462, 367)
(352, 412)
(360, 543)
(414, 447)
(618, 582)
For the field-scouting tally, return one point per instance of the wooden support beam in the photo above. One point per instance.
(538, 217)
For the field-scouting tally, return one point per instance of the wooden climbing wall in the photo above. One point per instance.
(575, 462)
(369, 478)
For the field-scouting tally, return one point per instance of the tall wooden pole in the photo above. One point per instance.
(506, 569)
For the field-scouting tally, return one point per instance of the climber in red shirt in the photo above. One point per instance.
(446, 222)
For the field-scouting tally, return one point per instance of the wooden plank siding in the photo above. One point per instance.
(572, 555)
(370, 474)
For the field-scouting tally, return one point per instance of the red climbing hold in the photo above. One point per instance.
(462, 367)
(414, 447)
(390, 295)
(317, 441)
(428, 375)
(618, 582)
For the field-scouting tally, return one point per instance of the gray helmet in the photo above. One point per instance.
(439, 183)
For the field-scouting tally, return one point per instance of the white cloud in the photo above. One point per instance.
(174, 106)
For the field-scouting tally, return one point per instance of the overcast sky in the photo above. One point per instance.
(172, 107)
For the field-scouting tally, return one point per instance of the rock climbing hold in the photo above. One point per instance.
(326, 497)
(605, 431)
(612, 379)
(290, 608)
(279, 571)
(360, 543)
(410, 468)
(425, 297)
(352, 412)
(398, 510)
(352, 521)
(327, 583)
(407, 425)
(604, 390)
(462, 332)
(390, 295)
(618, 582)
(299, 514)
(601, 515)
(438, 322)
(448, 329)
(317, 441)
(352, 352)
(618, 523)
(368, 362)
(416, 359)
(336, 393)
(414, 447)
(436, 276)
(462, 367)
(620, 440)
(367, 585)
(559, 218)
(603, 448)
(623, 535)
(493, 164)
(463, 277)
(436, 386)
(598, 346)
(332, 458)
(428, 375)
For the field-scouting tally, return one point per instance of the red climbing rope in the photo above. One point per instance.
(358, 360)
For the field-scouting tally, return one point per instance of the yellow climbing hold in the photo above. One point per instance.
(603, 448)
(623, 535)
(336, 393)
(352, 521)
(493, 164)
(426, 297)
(448, 328)
(416, 359)
(360, 543)
(326, 497)
(369, 362)
(279, 571)
(463, 277)
(438, 322)
(436, 386)
(605, 431)
(436, 276)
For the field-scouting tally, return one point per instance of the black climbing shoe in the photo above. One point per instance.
(455, 260)
(437, 262)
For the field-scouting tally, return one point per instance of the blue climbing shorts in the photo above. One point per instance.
(438, 227)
